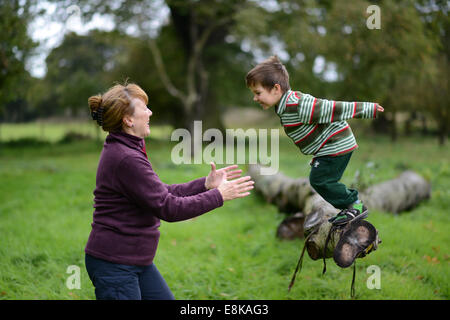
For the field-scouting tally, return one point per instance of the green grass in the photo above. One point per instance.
(230, 253)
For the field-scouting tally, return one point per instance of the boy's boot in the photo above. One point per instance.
(354, 212)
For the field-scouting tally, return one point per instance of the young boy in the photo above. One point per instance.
(318, 128)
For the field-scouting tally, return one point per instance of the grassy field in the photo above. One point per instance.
(231, 253)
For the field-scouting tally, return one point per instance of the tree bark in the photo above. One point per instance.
(310, 212)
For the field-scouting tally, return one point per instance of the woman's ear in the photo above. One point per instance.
(127, 121)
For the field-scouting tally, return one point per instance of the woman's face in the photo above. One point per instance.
(140, 119)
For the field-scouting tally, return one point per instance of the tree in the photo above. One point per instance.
(434, 85)
(78, 68)
(288, 29)
(137, 65)
(15, 48)
(198, 25)
(382, 65)
(386, 65)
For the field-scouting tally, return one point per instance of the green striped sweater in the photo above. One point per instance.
(318, 126)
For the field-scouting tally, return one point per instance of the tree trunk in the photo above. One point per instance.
(442, 134)
(311, 212)
(394, 133)
(442, 139)
(194, 96)
(424, 124)
(382, 125)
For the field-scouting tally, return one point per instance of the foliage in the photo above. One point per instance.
(434, 84)
(15, 48)
(80, 67)
(194, 62)
(195, 26)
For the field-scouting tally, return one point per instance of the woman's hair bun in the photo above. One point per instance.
(95, 105)
(95, 102)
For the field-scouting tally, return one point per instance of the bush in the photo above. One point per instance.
(27, 142)
(73, 136)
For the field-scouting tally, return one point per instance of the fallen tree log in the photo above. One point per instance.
(309, 211)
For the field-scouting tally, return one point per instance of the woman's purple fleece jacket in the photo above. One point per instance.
(130, 200)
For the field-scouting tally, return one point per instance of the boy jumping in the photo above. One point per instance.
(318, 127)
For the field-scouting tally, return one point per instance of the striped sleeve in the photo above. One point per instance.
(314, 110)
(359, 110)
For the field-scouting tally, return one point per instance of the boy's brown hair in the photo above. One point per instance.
(268, 73)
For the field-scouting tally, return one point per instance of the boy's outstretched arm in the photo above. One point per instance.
(315, 110)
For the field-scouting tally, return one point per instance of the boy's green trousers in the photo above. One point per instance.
(325, 174)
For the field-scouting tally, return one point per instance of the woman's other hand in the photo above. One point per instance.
(235, 188)
(216, 177)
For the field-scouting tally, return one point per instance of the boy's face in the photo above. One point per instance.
(266, 98)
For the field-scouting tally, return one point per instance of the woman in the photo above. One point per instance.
(130, 200)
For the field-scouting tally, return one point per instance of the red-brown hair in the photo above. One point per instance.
(114, 104)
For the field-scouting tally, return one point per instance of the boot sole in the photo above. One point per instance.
(357, 238)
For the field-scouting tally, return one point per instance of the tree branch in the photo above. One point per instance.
(163, 73)
(194, 64)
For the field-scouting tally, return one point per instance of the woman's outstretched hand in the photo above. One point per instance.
(222, 179)
(235, 188)
(215, 177)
